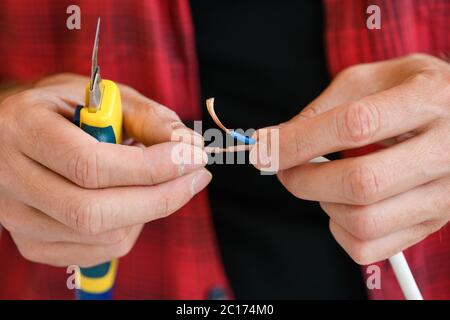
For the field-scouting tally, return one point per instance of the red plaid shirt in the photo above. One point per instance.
(149, 45)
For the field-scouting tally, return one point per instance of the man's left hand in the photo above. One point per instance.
(386, 201)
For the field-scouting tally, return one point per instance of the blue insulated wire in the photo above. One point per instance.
(241, 138)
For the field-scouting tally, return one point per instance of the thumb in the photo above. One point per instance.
(346, 87)
(151, 123)
(145, 120)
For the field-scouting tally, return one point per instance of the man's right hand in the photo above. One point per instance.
(66, 198)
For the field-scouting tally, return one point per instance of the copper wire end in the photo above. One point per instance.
(238, 148)
(212, 113)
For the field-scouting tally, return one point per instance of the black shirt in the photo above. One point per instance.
(264, 61)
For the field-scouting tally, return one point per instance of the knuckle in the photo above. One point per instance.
(429, 227)
(118, 236)
(442, 200)
(312, 111)
(23, 99)
(361, 253)
(359, 122)
(357, 249)
(285, 178)
(162, 208)
(122, 248)
(429, 76)
(9, 220)
(439, 152)
(83, 168)
(434, 76)
(417, 56)
(329, 208)
(5, 112)
(26, 96)
(354, 73)
(154, 110)
(364, 224)
(26, 253)
(30, 100)
(151, 174)
(86, 217)
(150, 111)
(30, 253)
(10, 113)
(361, 184)
(166, 112)
(423, 60)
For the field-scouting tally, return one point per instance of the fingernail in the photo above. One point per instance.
(260, 155)
(197, 139)
(308, 113)
(192, 158)
(200, 156)
(177, 125)
(181, 133)
(200, 181)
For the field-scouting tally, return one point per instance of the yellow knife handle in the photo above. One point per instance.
(106, 126)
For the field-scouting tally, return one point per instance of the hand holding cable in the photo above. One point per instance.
(386, 201)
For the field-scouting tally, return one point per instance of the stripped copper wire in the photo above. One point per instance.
(247, 140)
(212, 113)
(239, 148)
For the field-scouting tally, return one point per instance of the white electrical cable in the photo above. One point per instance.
(399, 264)
(405, 277)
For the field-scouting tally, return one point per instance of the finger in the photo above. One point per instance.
(368, 252)
(370, 178)
(411, 208)
(362, 80)
(32, 224)
(66, 90)
(60, 80)
(368, 120)
(150, 122)
(144, 119)
(98, 211)
(65, 149)
(348, 86)
(62, 254)
(109, 209)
